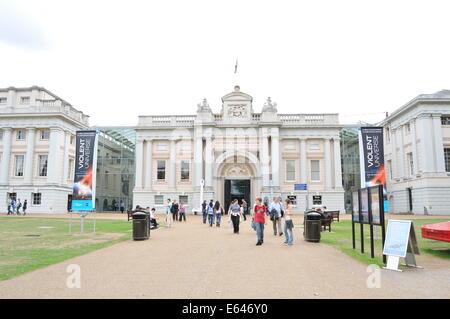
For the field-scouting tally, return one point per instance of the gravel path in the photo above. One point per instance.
(192, 260)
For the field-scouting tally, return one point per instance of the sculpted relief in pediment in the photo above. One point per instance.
(237, 110)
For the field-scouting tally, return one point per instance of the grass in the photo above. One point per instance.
(20, 253)
(341, 238)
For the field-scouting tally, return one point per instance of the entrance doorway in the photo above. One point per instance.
(236, 189)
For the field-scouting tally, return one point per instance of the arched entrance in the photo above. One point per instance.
(237, 176)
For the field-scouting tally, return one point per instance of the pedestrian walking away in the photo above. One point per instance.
(218, 211)
(259, 217)
(288, 223)
(235, 214)
(24, 207)
(210, 211)
(19, 206)
(204, 213)
(244, 208)
(276, 213)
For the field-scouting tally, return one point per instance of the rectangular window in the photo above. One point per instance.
(18, 165)
(290, 170)
(21, 135)
(161, 173)
(445, 120)
(43, 161)
(37, 198)
(25, 100)
(159, 200)
(2, 100)
(315, 170)
(314, 145)
(447, 159)
(184, 170)
(289, 146)
(183, 199)
(410, 163)
(45, 134)
(161, 146)
(71, 168)
(389, 165)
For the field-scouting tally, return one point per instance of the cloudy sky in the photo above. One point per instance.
(115, 60)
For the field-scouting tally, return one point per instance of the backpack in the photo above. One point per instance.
(210, 210)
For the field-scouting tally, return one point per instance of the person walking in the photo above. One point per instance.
(169, 213)
(276, 213)
(204, 213)
(244, 208)
(218, 211)
(24, 207)
(210, 211)
(121, 206)
(288, 223)
(13, 206)
(235, 214)
(175, 208)
(259, 213)
(9, 208)
(182, 212)
(19, 206)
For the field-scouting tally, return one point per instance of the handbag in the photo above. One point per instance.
(289, 224)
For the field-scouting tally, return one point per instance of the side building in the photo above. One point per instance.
(417, 155)
(37, 147)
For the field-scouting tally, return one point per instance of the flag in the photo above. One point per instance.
(235, 66)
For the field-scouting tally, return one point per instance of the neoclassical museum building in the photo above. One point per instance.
(240, 153)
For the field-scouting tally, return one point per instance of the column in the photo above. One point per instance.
(4, 173)
(138, 163)
(198, 160)
(66, 157)
(208, 162)
(148, 164)
(337, 163)
(275, 156)
(54, 159)
(438, 144)
(327, 159)
(303, 162)
(173, 164)
(265, 158)
(426, 147)
(414, 146)
(401, 167)
(28, 173)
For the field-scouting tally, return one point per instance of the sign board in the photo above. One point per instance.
(293, 199)
(375, 202)
(300, 187)
(364, 204)
(83, 198)
(355, 206)
(317, 199)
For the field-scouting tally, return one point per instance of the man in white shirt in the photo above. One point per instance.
(275, 209)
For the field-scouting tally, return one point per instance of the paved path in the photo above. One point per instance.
(192, 260)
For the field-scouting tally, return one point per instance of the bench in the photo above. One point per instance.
(326, 222)
(334, 214)
(130, 214)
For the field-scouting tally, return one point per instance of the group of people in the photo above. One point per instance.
(175, 212)
(212, 212)
(14, 207)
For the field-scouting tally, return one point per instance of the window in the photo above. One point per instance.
(184, 170)
(45, 134)
(407, 128)
(447, 159)
(72, 139)
(71, 168)
(25, 100)
(388, 134)
(410, 163)
(37, 198)
(161, 173)
(314, 145)
(315, 170)
(2, 100)
(43, 162)
(290, 170)
(161, 146)
(21, 135)
(389, 165)
(445, 120)
(289, 146)
(183, 199)
(159, 200)
(18, 165)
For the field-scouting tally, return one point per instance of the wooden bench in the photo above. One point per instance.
(334, 214)
(326, 222)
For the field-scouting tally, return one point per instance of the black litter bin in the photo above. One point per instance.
(141, 226)
(312, 227)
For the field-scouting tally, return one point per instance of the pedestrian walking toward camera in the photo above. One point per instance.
(259, 218)
(244, 209)
(25, 206)
(121, 206)
(210, 211)
(182, 212)
(175, 208)
(204, 212)
(288, 223)
(235, 215)
(276, 213)
(218, 211)
(169, 213)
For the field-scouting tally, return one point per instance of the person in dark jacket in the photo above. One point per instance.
(24, 207)
(204, 212)
(175, 208)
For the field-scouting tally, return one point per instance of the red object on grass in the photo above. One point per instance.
(439, 231)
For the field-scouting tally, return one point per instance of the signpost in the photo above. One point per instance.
(400, 242)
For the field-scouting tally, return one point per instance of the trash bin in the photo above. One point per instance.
(141, 228)
(312, 227)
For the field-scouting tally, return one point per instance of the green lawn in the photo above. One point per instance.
(20, 253)
(341, 238)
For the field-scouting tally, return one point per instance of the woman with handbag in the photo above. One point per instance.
(288, 223)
